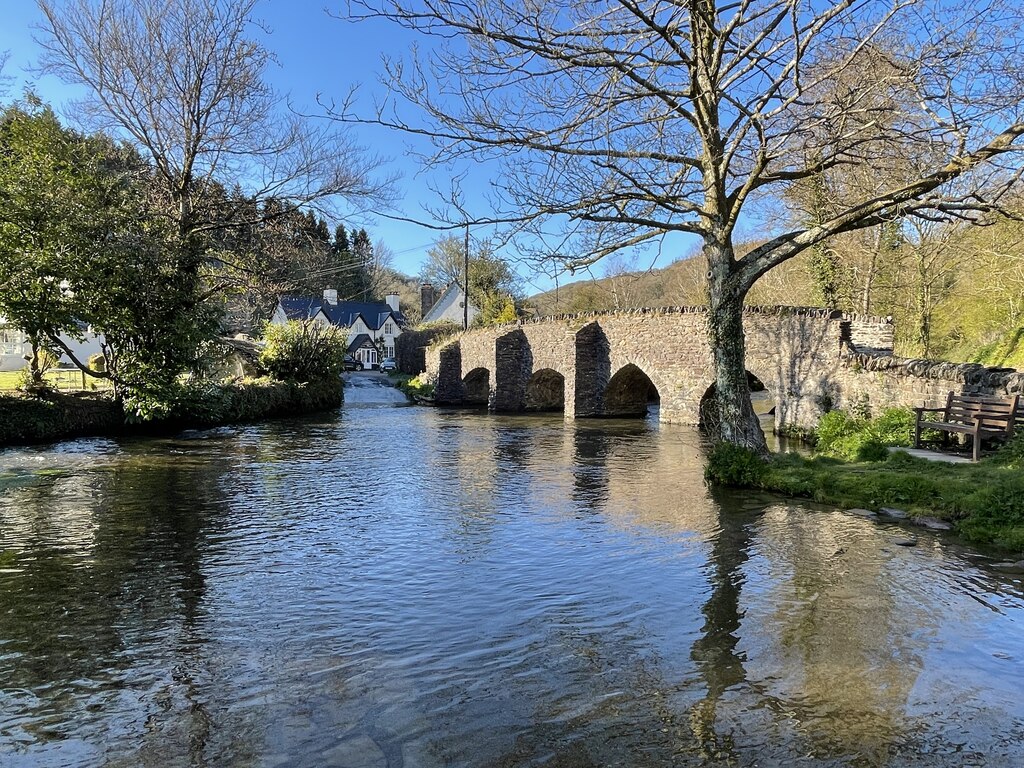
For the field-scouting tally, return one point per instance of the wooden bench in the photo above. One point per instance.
(983, 418)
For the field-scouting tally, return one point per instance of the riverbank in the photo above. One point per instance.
(413, 386)
(983, 502)
(60, 416)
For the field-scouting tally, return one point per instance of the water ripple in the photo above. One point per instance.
(397, 586)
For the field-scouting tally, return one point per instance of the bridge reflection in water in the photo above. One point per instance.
(485, 590)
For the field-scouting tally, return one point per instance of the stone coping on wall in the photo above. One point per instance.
(972, 375)
(690, 310)
(576, 317)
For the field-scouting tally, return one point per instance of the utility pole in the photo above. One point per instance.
(465, 273)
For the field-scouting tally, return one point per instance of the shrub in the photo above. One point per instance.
(733, 465)
(842, 436)
(414, 386)
(1011, 455)
(303, 352)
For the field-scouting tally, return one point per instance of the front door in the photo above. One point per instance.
(369, 359)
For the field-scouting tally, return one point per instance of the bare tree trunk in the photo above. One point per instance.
(869, 277)
(35, 368)
(923, 309)
(736, 421)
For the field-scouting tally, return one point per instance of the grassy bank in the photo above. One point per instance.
(984, 502)
(59, 416)
(412, 386)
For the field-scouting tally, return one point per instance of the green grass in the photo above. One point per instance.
(65, 379)
(983, 501)
(412, 385)
(9, 380)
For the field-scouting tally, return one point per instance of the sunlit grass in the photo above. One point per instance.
(983, 501)
(65, 379)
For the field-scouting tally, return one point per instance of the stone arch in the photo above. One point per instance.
(477, 387)
(545, 391)
(764, 400)
(630, 393)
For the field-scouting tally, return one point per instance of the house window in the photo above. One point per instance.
(389, 351)
(389, 329)
(11, 342)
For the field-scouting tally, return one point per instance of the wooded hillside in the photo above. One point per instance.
(955, 292)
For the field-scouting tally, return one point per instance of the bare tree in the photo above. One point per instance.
(621, 122)
(5, 80)
(184, 79)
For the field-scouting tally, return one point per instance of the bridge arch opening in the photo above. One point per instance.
(545, 391)
(760, 397)
(630, 394)
(477, 386)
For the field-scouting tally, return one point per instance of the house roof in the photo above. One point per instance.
(450, 296)
(299, 307)
(362, 340)
(344, 313)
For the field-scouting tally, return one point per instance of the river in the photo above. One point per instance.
(400, 586)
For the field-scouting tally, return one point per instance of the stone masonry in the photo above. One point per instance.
(810, 360)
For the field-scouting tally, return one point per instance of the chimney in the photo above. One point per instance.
(330, 296)
(427, 298)
(392, 301)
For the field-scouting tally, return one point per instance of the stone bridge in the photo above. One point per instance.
(617, 364)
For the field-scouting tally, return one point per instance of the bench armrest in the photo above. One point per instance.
(929, 410)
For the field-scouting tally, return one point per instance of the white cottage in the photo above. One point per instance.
(449, 306)
(372, 327)
(15, 348)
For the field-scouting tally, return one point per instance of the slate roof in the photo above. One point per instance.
(455, 291)
(362, 340)
(299, 307)
(344, 313)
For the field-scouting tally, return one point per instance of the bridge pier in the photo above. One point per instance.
(593, 370)
(512, 365)
(448, 386)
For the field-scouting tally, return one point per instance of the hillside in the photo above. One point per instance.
(679, 284)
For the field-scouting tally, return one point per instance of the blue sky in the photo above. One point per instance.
(326, 56)
(317, 55)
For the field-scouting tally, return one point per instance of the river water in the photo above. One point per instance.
(399, 586)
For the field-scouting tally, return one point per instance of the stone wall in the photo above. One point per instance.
(810, 360)
(874, 382)
(411, 346)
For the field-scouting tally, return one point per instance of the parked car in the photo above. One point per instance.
(351, 364)
(388, 364)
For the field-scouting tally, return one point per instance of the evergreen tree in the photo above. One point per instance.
(362, 252)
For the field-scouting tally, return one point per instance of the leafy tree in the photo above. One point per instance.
(497, 310)
(620, 123)
(341, 244)
(79, 247)
(489, 275)
(493, 286)
(50, 191)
